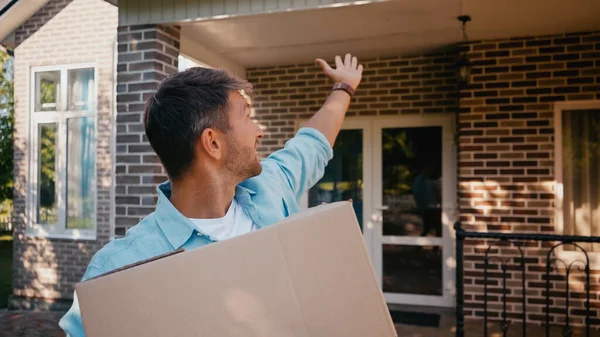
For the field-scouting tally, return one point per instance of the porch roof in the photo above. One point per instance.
(380, 28)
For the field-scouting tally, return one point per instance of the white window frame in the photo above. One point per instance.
(568, 256)
(59, 230)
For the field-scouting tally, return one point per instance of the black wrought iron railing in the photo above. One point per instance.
(520, 263)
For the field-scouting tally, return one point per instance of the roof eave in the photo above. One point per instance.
(13, 15)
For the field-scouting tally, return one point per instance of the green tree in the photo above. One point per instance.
(6, 125)
(47, 165)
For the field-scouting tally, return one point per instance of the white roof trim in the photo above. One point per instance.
(17, 14)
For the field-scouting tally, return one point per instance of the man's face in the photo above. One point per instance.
(242, 159)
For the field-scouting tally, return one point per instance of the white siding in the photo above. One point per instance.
(137, 12)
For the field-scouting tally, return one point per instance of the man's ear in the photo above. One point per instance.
(211, 143)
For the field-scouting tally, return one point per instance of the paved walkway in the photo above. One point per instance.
(30, 324)
(44, 324)
(474, 328)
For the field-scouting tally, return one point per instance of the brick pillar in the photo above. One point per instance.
(146, 55)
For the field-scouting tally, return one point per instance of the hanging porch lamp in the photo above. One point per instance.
(464, 65)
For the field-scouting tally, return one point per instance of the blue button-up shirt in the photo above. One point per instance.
(266, 199)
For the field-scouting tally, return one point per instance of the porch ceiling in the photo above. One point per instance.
(383, 28)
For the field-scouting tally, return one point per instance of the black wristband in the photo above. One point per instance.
(345, 87)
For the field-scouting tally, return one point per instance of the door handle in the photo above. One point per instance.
(378, 215)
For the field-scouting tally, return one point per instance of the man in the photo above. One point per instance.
(198, 123)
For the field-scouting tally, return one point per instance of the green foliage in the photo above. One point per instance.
(80, 223)
(6, 126)
(47, 176)
(398, 148)
(48, 93)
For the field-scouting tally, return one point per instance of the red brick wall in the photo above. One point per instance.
(395, 86)
(507, 157)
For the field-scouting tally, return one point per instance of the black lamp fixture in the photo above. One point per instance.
(463, 65)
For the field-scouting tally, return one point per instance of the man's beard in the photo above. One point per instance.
(241, 162)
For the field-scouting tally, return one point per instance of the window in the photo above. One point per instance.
(578, 172)
(62, 189)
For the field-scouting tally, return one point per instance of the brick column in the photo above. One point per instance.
(146, 55)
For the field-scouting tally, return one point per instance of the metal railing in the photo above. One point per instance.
(551, 260)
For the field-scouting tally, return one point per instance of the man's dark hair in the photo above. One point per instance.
(185, 104)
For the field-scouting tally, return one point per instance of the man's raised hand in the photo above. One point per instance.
(347, 71)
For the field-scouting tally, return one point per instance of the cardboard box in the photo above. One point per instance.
(309, 275)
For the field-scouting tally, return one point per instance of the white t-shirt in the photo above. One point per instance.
(234, 223)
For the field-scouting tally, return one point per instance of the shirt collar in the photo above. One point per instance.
(176, 227)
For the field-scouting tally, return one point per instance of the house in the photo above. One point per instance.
(509, 146)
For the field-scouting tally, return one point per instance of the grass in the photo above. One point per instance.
(6, 244)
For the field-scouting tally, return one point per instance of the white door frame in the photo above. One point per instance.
(372, 203)
(449, 213)
(365, 125)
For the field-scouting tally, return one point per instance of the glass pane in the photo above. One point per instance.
(581, 172)
(47, 90)
(81, 163)
(411, 181)
(47, 208)
(412, 269)
(81, 89)
(343, 178)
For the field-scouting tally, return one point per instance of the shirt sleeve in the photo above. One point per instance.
(302, 161)
(71, 322)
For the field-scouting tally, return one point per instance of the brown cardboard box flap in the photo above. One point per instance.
(309, 275)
